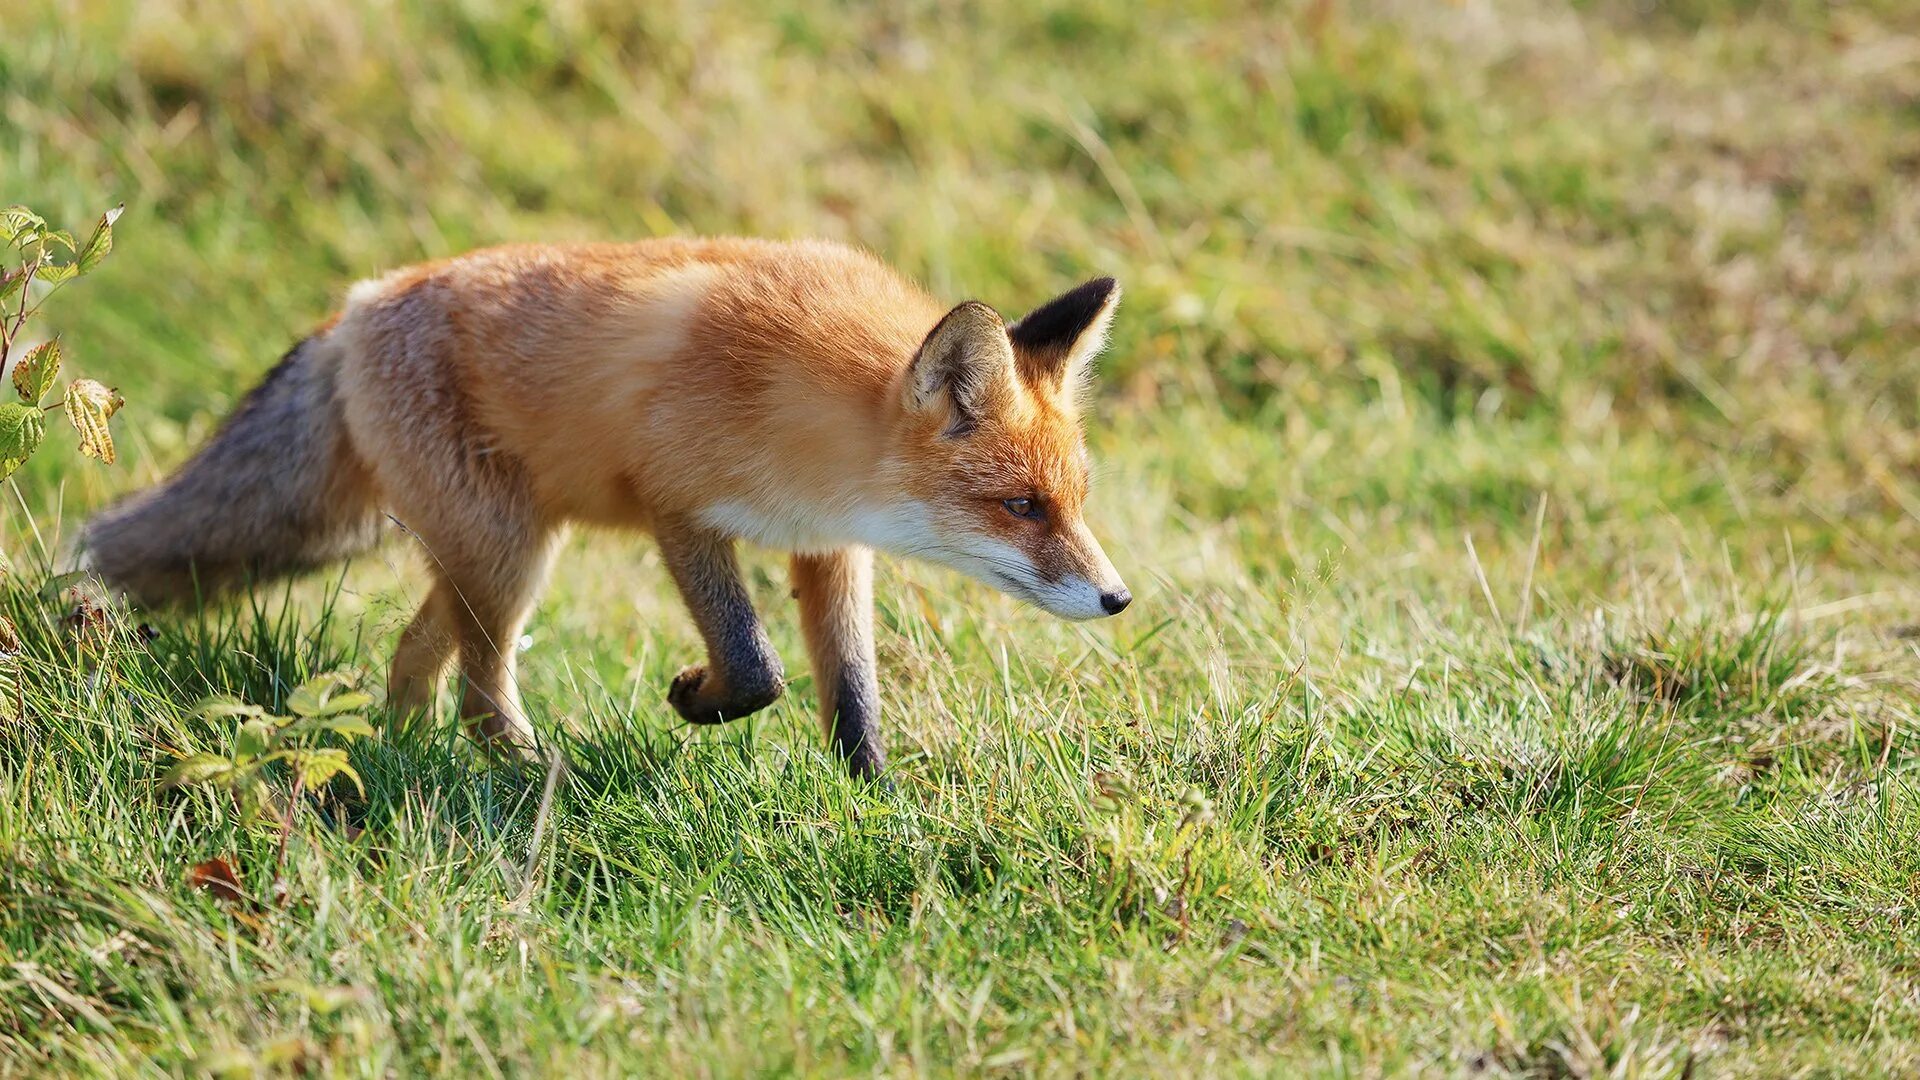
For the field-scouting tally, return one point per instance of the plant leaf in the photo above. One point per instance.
(317, 696)
(216, 876)
(15, 220)
(57, 273)
(221, 706)
(33, 376)
(10, 282)
(349, 724)
(252, 739)
(21, 429)
(12, 699)
(89, 406)
(51, 588)
(346, 724)
(350, 701)
(251, 792)
(197, 769)
(100, 244)
(319, 765)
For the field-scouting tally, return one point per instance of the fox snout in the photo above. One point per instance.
(1074, 597)
(1083, 600)
(1091, 591)
(1065, 575)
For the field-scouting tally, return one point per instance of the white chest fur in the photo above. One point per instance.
(901, 528)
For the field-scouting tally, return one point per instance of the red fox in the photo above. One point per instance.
(799, 395)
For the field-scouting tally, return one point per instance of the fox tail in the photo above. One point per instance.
(278, 490)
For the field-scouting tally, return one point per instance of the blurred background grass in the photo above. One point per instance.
(1625, 293)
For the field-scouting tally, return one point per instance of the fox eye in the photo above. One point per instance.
(1026, 508)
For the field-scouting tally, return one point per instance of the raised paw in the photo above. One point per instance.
(702, 698)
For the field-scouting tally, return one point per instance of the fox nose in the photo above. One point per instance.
(1116, 601)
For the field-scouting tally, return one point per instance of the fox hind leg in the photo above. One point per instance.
(490, 561)
(742, 674)
(412, 421)
(490, 607)
(426, 649)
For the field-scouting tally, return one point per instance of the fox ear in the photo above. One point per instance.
(966, 359)
(1056, 339)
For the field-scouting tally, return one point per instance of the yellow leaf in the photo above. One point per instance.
(33, 375)
(101, 243)
(89, 405)
(12, 701)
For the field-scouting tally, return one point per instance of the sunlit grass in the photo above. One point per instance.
(1510, 434)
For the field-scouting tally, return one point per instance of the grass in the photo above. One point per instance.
(1510, 434)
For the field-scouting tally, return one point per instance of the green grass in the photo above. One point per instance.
(1511, 435)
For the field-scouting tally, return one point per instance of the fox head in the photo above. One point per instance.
(993, 452)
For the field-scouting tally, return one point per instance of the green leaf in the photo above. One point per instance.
(352, 701)
(57, 273)
(318, 766)
(10, 282)
(15, 220)
(318, 696)
(57, 236)
(21, 429)
(197, 769)
(223, 706)
(51, 588)
(252, 739)
(33, 376)
(252, 793)
(100, 244)
(349, 724)
(89, 406)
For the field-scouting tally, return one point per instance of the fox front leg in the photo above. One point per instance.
(835, 590)
(742, 674)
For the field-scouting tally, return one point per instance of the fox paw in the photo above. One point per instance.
(701, 698)
(505, 741)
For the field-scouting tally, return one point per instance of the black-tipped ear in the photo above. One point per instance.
(1055, 340)
(964, 361)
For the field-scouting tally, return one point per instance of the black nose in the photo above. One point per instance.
(1116, 601)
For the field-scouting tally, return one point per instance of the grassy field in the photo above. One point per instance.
(1511, 435)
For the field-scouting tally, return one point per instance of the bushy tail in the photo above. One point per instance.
(277, 491)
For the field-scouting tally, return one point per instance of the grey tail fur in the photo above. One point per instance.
(278, 490)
